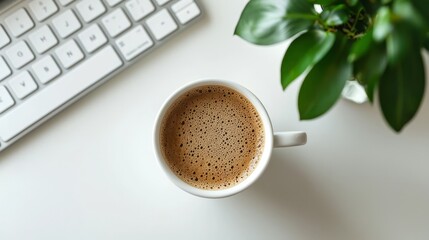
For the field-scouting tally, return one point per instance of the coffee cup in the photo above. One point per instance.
(214, 138)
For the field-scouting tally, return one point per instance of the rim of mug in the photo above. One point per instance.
(262, 163)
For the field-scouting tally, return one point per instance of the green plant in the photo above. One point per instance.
(375, 42)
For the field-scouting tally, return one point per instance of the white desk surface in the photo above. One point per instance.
(90, 172)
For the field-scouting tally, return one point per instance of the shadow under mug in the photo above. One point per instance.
(272, 140)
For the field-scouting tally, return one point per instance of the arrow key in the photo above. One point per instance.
(161, 24)
(23, 84)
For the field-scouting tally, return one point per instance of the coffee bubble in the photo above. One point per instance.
(212, 137)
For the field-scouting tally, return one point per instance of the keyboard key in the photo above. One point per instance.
(23, 84)
(58, 93)
(113, 2)
(161, 24)
(134, 42)
(90, 9)
(4, 69)
(162, 2)
(4, 38)
(43, 39)
(43, 9)
(66, 23)
(69, 54)
(6, 101)
(186, 10)
(65, 2)
(139, 9)
(46, 69)
(179, 5)
(116, 22)
(92, 38)
(19, 22)
(19, 54)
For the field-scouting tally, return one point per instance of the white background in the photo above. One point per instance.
(91, 173)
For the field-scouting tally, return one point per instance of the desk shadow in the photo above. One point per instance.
(286, 196)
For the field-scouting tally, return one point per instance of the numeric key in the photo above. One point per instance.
(19, 22)
(43, 9)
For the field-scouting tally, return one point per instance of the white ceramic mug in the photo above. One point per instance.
(272, 140)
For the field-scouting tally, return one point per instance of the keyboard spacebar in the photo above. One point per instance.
(59, 92)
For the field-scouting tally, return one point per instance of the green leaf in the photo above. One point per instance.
(335, 16)
(324, 2)
(303, 52)
(370, 68)
(405, 10)
(371, 6)
(361, 46)
(401, 89)
(352, 2)
(266, 22)
(422, 8)
(325, 81)
(402, 40)
(382, 24)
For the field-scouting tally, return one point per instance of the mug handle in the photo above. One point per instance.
(289, 139)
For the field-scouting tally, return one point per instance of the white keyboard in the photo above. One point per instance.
(51, 51)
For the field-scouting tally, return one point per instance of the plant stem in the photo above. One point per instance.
(357, 18)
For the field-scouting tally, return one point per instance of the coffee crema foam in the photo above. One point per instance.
(212, 137)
